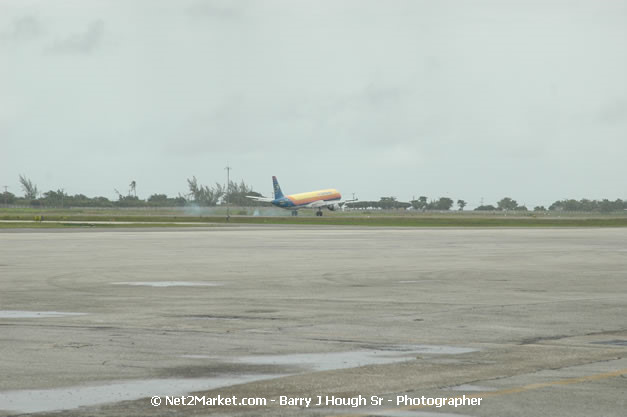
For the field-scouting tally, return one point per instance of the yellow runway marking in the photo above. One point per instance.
(529, 387)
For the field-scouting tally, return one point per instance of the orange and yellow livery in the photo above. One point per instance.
(329, 198)
(306, 198)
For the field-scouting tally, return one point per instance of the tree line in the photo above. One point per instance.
(200, 195)
(235, 194)
(506, 204)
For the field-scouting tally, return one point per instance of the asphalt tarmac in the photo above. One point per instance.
(531, 321)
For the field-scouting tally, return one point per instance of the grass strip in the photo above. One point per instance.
(391, 221)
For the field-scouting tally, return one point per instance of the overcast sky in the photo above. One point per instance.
(465, 99)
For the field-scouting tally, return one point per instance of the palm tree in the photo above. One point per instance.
(133, 184)
(30, 189)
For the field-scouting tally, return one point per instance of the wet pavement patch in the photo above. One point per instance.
(169, 284)
(424, 349)
(41, 400)
(225, 317)
(240, 371)
(260, 311)
(22, 314)
(470, 388)
(341, 360)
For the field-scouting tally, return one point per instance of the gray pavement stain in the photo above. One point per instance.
(612, 342)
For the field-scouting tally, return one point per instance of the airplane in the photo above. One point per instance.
(329, 198)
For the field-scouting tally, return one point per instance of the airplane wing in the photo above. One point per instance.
(319, 203)
(264, 199)
(322, 204)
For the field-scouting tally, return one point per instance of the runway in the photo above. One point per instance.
(533, 321)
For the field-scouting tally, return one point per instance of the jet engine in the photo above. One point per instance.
(334, 207)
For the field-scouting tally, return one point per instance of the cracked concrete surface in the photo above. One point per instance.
(540, 312)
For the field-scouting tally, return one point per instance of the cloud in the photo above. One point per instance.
(614, 112)
(81, 43)
(25, 28)
(408, 97)
(214, 9)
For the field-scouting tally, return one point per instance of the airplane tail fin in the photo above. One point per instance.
(277, 188)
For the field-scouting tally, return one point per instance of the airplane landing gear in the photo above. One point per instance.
(294, 212)
(319, 212)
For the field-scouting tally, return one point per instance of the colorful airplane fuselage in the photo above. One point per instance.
(330, 199)
(295, 201)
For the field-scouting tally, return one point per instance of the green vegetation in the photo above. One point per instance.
(508, 204)
(434, 221)
(30, 189)
(236, 194)
(442, 204)
(161, 218)
(199, 195)
(205, 196)
(603, 206)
